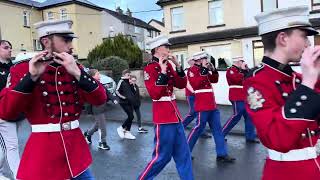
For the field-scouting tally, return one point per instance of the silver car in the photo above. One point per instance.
(108, 82)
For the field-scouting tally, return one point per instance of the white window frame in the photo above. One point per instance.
(50, 17)
(258, 51)
(175, 13)
(36, 45)
(137, 30)
(181, 57)
(216, 10)
(26, 18)
(63, 14)
(219, 51)
(264, 8)
(315, 4)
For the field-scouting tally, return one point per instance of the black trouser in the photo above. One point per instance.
(129, 111)
(137, 110)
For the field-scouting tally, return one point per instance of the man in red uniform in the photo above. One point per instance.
(283, 104)
(235, 77)
(51, 94)
(189, 92)
(170, 140)
(200, 76)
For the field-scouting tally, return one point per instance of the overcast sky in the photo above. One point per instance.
(134, 6)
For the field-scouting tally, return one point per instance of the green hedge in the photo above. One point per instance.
(120, 46)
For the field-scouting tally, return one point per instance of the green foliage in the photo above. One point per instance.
(120, 46)
(85, 63)
(114, 63)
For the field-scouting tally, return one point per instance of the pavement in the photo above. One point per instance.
(128, 158)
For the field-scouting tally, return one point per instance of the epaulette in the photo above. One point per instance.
(253, 71)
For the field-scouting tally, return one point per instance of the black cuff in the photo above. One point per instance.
(204, 71)
(215, 72)
(87, 83)
(303, 103)
(180, 72)
(26, 84)
(162, 79)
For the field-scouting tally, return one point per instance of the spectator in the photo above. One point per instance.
(137, 102)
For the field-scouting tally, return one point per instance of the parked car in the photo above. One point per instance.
(108, 82)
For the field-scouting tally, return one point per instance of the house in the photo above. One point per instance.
(158, 25)
(217, 26)
(91, 23)
(118, 22)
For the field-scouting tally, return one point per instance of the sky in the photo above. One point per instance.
(134, 5)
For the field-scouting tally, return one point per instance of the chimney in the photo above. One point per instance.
(119, 10)
(129, 13)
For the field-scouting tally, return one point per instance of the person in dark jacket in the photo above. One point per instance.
(126, 101)
(100, 119)
(137, 102)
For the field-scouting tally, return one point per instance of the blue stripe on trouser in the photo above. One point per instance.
(170, 141)
(192, 114)
(213, 119)
(86, 175)
(239, 111)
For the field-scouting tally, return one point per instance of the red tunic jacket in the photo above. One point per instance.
(160, 88)
(235, 77)
(200, 79)
(285, 114)
(57, 97)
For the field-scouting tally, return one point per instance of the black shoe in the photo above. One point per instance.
(192, 158)
(104, 146)
(252, 141)
(88, 137)
(225, 139)
(142, 130)
(225, 159)
(205, 135)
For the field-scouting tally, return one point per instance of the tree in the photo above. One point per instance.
(120, 46)
(114, 63)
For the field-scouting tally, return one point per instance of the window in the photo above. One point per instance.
(36, 45)
(268, 5)
(315, 4)
(137, 30)
(26, 19)
(216, 12)
(181, 57)
(258, 51)
(63, 14)
(221, 55)
(317, 40)
(50, 15)
(177, 19)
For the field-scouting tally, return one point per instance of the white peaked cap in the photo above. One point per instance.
(279, 19)
(200, 55)
(158, 41)
(61, 27)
